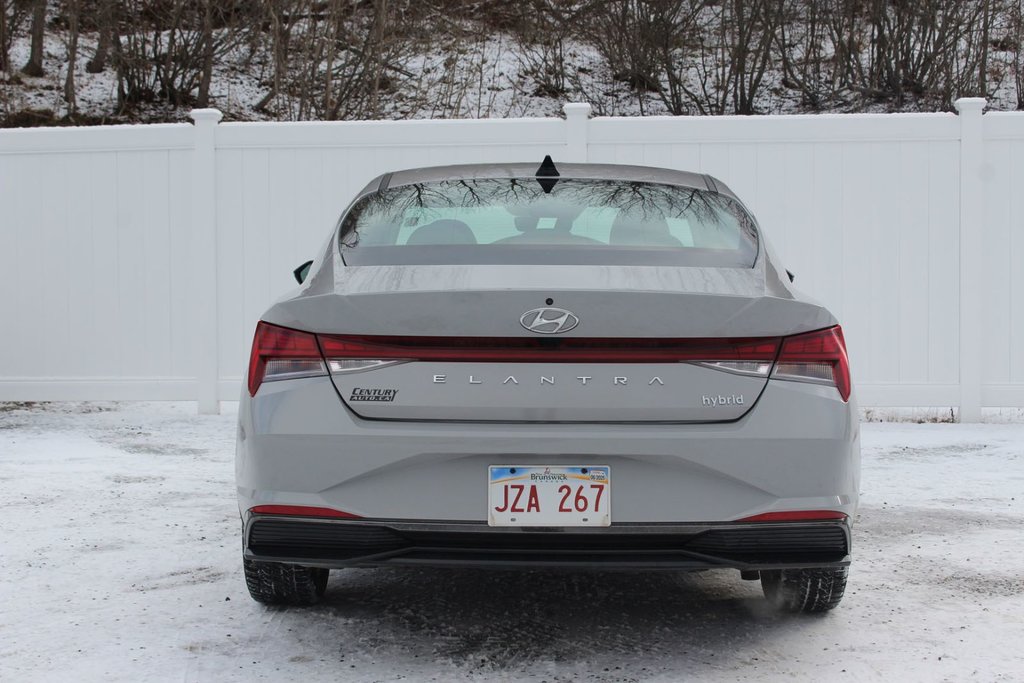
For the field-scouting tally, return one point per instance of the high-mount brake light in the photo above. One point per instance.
(818, 357)
(281, 353)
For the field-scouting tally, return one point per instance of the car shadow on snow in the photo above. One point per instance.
(497, 621)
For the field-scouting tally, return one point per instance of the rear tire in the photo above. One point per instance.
(273, 583)
(808, 591)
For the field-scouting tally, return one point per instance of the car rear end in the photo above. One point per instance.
(606, 371)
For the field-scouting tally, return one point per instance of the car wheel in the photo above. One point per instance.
(273, 583)
(804, 590)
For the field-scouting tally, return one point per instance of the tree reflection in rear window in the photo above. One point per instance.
(579, 221)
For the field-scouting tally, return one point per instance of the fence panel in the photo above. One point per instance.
(95, 263)
(1003, 239)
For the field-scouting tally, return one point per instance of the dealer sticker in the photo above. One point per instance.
(380, 395)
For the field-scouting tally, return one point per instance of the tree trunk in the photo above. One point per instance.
(115, 44)
(5, 63)
(69, 81)
(983, 62)
(203, 98)
(1018, 63)
(106, 28)
(34, 67)
(378, 62)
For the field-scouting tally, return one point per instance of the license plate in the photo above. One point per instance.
(549, 495)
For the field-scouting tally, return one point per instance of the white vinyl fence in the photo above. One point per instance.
(135, 260)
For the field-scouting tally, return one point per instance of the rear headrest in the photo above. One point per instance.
(630, 230)
(444, 231)
(526, 223)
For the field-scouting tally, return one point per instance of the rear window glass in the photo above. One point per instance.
(573, 221)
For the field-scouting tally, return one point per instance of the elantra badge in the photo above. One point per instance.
(549, 320)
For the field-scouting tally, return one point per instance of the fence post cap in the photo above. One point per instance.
(577, 110)
(206, 115)
(969, 104)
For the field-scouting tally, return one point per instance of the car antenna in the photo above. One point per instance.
(547, 174)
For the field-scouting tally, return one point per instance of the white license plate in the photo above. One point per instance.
(549, 495)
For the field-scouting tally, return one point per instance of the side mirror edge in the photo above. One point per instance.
(302, 271)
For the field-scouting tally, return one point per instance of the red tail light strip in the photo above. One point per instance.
(795, 516)
(536, 350)
(302, 511)
(804, 354)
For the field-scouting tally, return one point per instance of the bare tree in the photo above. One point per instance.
(106, 26)
(351, 58)
(986, 26)
(278, 16)
(5, 44)
(928, 50)
(633, 38)
(543, 28)
(754, 23)
(802, 56)
(700, 55)
(1015, 40)
(71, 9)
(208, 49)
(167, 51)
(34, 66)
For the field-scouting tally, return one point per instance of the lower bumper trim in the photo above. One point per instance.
(350, 543)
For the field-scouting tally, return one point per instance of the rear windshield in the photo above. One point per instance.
(548, 221)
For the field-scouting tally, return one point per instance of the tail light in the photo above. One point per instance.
(281, 353)
(301, 511)
(740, 352)
(795, 516)
(818, 357)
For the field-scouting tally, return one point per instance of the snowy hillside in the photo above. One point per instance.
(302, 60)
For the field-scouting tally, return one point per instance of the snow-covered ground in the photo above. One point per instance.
(119, 561)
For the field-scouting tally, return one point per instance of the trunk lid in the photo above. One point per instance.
(600, 370)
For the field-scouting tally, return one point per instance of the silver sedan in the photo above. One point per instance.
(579, 365)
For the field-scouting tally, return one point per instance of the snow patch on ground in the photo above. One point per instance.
(120, 562)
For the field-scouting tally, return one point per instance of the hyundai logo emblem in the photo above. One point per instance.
(549, 320)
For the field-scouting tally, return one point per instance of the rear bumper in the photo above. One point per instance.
(690, 546)
(797, 449)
